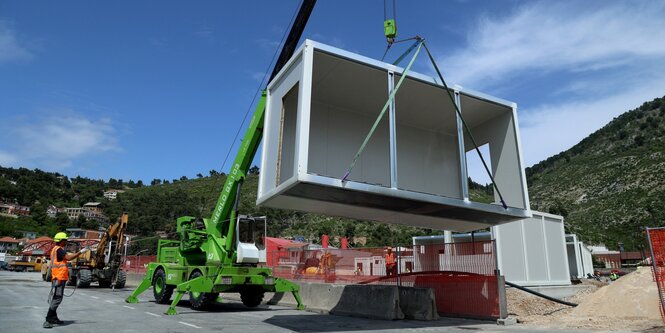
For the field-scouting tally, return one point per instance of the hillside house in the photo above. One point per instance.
(14, 210)
(112, 194)
(84, 234)
(8, 244)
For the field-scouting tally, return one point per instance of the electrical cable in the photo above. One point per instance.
(249, 108)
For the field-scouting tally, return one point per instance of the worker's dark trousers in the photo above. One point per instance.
(58, 289)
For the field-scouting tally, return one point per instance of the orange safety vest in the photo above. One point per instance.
(390, 259)
(59, 270)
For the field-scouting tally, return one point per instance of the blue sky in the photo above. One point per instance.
(157, 89)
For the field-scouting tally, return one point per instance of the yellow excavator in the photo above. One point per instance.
(103, 264)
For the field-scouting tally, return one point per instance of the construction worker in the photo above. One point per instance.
(614, 276)
(391, 265)
(60, 275)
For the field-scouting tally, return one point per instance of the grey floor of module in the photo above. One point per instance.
(23, 306)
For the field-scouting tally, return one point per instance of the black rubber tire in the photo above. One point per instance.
(251, 296)
(200, 301)
(72, 278)
(160, 289)
(83, 278)
(120, 280)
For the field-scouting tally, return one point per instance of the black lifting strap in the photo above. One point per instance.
(468, 131)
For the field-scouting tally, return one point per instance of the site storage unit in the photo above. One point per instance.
(579, 257)
(320, 108)
(532, 252)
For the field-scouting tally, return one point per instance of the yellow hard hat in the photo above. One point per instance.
(60, 236)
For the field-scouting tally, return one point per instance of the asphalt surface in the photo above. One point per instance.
(23, 306)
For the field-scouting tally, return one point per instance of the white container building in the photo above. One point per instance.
(320, 108)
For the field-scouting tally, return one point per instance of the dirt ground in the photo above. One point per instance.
(630, 303)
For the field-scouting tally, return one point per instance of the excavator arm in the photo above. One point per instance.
(111, 243)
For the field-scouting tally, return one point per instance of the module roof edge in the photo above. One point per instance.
(416, 75)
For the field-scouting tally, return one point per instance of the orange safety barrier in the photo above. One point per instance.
(656, 238)
(461, 294)
(138, 264)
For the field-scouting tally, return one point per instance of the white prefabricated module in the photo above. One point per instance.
(413, 171)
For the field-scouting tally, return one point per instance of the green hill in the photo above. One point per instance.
(611, 184)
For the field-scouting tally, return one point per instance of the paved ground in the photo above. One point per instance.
(23, 307)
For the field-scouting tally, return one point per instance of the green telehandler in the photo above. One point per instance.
(221, 253)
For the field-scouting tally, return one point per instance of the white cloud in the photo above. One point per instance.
(553, 128)
(10, 48)
(550, 36)
(602, 58)
(56, 142)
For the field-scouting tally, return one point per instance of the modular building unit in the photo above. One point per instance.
(532, 252)
(529, 252)
(580, 260)
(322, 105)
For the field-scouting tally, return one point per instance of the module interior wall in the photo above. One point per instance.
(428, 162)
(499, 132)
(272, 130)
(335, 136)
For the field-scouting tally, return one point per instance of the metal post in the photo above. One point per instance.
(399, 264)
(392, 125)
(497, 271)
(464, 186)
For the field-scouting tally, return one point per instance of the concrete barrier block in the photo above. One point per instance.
(418, 303)
(369, 301)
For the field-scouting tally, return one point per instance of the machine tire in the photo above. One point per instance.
(251, 296)
(72, 278)
(160, 289)
(200, 301)
(120, 280)
(83, 278)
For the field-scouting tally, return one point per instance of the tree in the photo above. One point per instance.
(61, 220)
(213, 173)
(139, 183)
(90, 224)
(183, 178)
(80, 221)
(199, 175)
(156, 182)
(254, 170)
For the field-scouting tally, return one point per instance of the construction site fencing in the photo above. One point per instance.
(656, 238)
(462, 275)
(138, 264)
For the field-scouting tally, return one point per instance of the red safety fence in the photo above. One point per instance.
(138, 264)
(462, 275)
(656, 238)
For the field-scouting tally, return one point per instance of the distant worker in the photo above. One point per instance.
(391, 264)
(60, 275)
